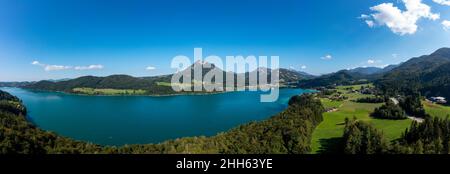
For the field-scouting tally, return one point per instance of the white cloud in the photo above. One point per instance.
(373, 62)
(442, 2)
(303, 67)
(56, 67)
(395, 55)
(364, 16)
(149, 68)
(370, 23)
(327, 57)
(64, 67)
(367, 19)
(50, 67)
(401, 22)
(446, 25)
(90, 67)
(36, 63)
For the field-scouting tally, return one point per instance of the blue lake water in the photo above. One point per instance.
(118, 120)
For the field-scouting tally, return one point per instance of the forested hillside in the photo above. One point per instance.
(429, 74)
(343, 77)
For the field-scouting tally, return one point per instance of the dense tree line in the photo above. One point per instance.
(288, 132)
(11, 104)
(389, 111)
(430, 137)
(413, 105)
(376, 99)
(6, 96)
(361, 138)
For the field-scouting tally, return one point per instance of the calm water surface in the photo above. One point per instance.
(118, 120)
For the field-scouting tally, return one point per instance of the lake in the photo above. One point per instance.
(119, 120)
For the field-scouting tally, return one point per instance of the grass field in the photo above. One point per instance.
(163, 84)
(329, 104)
(328, 134)
(92, 91)
(354, 87)
(177, 84)
(436, 110)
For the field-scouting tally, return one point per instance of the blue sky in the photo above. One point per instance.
(71, 38)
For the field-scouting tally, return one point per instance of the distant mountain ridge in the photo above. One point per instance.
(346, 77)
(109, 82)
(372, 70)
(366, 70)
(429, 74)
(15, 84)
(152, 84)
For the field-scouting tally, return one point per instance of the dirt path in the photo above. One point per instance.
(333, 110)
(419, 120)
(394, 100)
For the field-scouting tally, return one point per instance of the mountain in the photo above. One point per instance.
(430, 74)
(109, 82)
(288, 75)
(154, 85)
(366, 70)
(15, 84)
(285, 75)
(59, 80)
(373, 70)
(423, 64)
(388, 68)
(347, 77)
(343, 77)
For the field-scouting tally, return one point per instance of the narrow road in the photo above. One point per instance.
(419, 120)
(394, 100)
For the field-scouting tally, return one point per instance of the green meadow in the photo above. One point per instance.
(168, 84)
(92, 91)
(164, 84)
(436, 110)
(327, 135)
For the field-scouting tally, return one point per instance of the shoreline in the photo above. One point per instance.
(152, 95)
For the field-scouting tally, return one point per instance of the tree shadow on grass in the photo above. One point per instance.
(331, 146)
